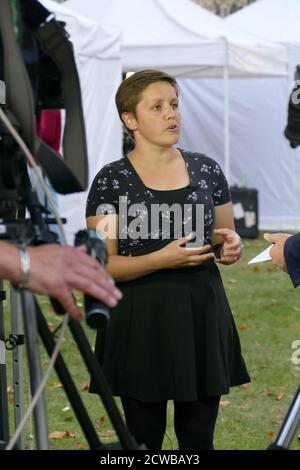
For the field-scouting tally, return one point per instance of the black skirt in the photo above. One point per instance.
(172, 336)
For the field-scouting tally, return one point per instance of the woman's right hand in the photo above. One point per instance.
(174, 255)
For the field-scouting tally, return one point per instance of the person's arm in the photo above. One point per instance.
(127, 268)
(55, 270)
(225, 234)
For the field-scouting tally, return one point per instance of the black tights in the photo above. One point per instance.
(194, 422)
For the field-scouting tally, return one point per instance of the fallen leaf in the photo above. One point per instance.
(66, 408)
(243, 327)
(247, 315)
(244, 385)
(101, 420)
(57, 435)
(256, 269)
(79, 445)
(108, 433)
(271, 434)
(85, 388)
(291, 318)
(271, 270)
(224, 403)
(56, 385)
(10, 389)
(68, 418)
(232, 281)
(280, 396)
(297, 309)
(244, 407)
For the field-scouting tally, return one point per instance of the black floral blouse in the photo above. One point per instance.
(118, 185)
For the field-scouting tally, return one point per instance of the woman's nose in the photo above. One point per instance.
(170, 112)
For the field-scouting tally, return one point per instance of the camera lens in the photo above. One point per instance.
(96, 313)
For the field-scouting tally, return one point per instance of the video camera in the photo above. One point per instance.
(37, 72)
(292, 130)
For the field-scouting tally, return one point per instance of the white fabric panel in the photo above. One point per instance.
(97, 54)
(177, 33)
(273, 20)
(282, 26)
(260, 154)
(103, 130)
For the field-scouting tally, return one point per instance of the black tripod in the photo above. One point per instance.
(35, 232)
(289, 426)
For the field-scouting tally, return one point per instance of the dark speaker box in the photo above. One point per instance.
(245, 210)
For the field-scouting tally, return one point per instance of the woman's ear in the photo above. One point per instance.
(129, 121)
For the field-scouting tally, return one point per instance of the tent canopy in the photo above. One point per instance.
(90, 38)
(273, 20)
(184, 39)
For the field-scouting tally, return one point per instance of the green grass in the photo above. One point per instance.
(266, 309)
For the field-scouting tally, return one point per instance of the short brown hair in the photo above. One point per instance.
(129, 92)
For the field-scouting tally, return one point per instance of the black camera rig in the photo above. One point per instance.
(20, 99)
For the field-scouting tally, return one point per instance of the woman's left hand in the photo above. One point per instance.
(231, 250)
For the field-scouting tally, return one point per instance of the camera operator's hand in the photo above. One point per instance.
(277, 250)
(56, 269)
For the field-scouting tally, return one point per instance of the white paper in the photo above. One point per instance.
(263, 256)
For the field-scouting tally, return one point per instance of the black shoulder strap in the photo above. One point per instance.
(54, 41)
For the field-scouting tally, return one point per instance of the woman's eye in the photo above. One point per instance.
(158, 106)
(175, 105)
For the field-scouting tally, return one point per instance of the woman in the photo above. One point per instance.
(172, 336)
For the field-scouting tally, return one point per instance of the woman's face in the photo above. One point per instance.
(157, 118)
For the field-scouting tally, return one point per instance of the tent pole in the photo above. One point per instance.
(226, 113)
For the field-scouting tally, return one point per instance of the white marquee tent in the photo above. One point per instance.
(266, 103)
(97, 54)
(188, 41)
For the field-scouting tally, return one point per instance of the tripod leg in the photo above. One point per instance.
(95, 370)
(30, 327)
(289, 426)
(17, 353)
(4, 423)
(68, 384)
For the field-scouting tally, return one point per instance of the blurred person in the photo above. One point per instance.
(172, 336)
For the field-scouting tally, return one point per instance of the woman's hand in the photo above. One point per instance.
(174, 255)
(231, 250)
